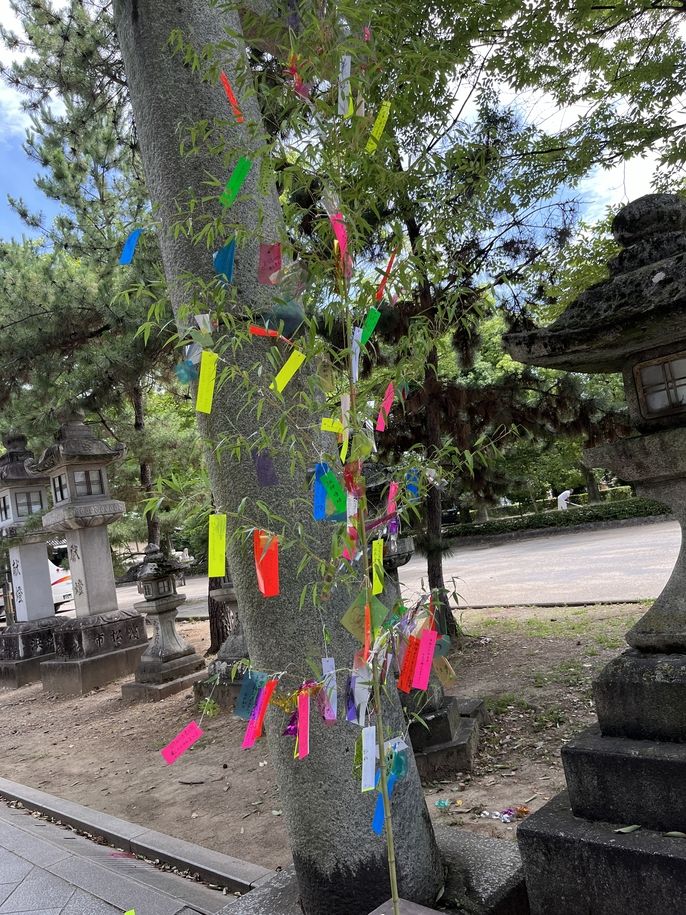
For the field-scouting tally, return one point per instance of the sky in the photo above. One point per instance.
(17, 172)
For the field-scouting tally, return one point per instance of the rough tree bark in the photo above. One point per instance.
(340, 863)
(594, 494)
(138, 403)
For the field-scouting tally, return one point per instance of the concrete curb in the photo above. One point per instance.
(212, 866)
(554, 603)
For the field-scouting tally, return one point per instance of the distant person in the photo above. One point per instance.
(563, 500)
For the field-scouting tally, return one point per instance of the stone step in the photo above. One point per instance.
(634, 781)
(574, 866)
(436, 727)
(456, 755)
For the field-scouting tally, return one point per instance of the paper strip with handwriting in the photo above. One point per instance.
(206, 381)
(409, 661)
(335, 491)
(251, 684)
(369, 758)
(377, 566)
(182, 742)
(303, 724)
(216, 546)
(332, 425)
(266, 549)
(235, 182)
(330, 690)
(288, 370)
(425, 656)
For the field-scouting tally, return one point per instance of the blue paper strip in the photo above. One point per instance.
(319, 493)
(223, 260)
(129, 248)
(253, 681)
(379, 815)
(412, 484)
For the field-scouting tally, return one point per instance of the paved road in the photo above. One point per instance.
(626, 563)
(48, 870)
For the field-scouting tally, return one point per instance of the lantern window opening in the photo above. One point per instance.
(661, 385)
(60, 488)
(88, 482)
(28, 503)
(5, 512)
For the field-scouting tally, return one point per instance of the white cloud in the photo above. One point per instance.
(13, 118)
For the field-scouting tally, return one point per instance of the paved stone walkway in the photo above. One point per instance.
(49, 870)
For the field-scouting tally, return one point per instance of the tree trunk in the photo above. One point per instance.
(340, 864)
(219, 617)
(434, 508)
(594, 494)
(146, 479)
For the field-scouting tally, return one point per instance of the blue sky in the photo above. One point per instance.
(17, 171)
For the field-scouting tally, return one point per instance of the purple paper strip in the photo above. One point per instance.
(351, 711)
(264, 468)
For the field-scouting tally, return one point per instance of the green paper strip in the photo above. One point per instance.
(370, 323)
(235, 182)
(216, 547)
(335, 491)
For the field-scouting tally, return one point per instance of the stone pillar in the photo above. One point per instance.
(630, 768)
(103, 643)
(169, 664)
(29, 640)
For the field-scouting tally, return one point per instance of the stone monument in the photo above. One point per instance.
(27, 642)
(103, 642)
(630, 769)
(169, 664)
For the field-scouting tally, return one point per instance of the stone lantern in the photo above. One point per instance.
(169, 664)
(631, 768)
(28, 641)
(103, 642)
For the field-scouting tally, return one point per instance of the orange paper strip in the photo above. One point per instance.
(407, 671)
(233, 101)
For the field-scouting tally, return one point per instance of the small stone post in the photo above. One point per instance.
(169, 664)
(103, 642)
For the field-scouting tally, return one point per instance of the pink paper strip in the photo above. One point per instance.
(386, 405)
(425, 656)
(182, 742)
(341, 233)
(251, 730)
(269, 263)
(392, 506)
(303, 724)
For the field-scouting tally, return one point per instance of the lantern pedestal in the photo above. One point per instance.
(224, 690)
(24, 646)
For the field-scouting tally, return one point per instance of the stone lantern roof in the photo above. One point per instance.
(12, 469)
(640, 307)
(75, 443)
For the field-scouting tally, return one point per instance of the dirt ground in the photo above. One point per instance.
(534, 666)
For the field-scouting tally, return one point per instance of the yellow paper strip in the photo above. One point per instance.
(332, 425)
(444, 671)
(344, 447)
(208, 376)
(378, 127)
(288, 370)
(216, 547)
(377, 566)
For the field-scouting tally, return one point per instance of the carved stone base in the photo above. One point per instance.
(90, 636)
(62, 677)
(153, 692)
(34, 639)
(15, 674)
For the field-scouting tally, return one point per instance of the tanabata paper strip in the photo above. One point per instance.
(223, 260)
(392, 505)
(444, 671)
(264, 468)
(319, 492)
(303, 724)
(353, 618)
(330, 690)
(367, 631)
(269, 263)
(182, 742)
(369, 325)
(186, 371)
(407, 670)
(377, 566)
(249, 738)
(378, 128)
(357, 337)
(252, 683)
(362, 678)
(384, 279)
(235, 182)
(368, 758)
(334, 491)
(341, 234)
(254, 729)
(266, 549)
(130, 912)
(233, 101)
(412, 484)
(344, 94)
(385, 410)
(206, 381)
(425, 656)
(442, 646)
(379, 814)
(216, 547)
(332, 425)
(288, 370)
(204, 322)
(263, 331)
(129, 248)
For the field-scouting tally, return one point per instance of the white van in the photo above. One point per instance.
(60, 579)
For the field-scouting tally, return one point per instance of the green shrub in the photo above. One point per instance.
(605, 511)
